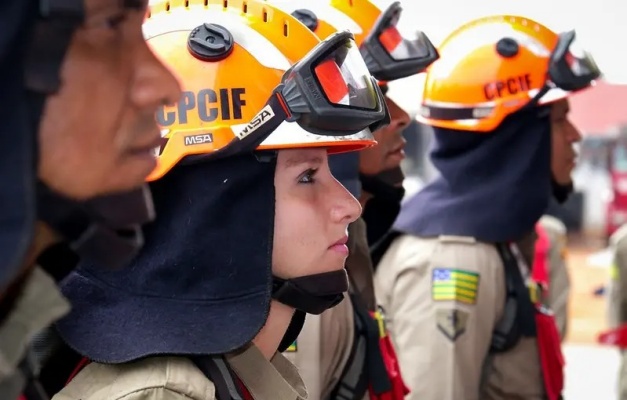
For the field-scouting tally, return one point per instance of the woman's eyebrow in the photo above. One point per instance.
(298, 159)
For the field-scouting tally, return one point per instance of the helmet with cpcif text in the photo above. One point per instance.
(246, 67)
(492, 67)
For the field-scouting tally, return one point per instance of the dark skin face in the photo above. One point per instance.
(388, 153)
(98, 132)
(563, 136)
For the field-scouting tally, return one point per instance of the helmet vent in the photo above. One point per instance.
(507, 47)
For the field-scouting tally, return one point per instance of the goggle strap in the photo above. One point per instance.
(256, 131)
(273, 114)
(536, 99)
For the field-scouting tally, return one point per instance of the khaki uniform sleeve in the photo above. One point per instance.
(617, 293)
(559, 280)
(622, 377)
(323, 347)
(38, 306)
(617, 297)
(153, 378)
(442, 298)
(155, 393)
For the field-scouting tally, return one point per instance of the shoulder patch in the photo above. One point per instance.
(292, 347)
(451, 322)
(450, 284)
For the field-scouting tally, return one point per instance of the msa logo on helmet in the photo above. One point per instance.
(207, 105)
(198, 139)
(264, 115)
(508, 86)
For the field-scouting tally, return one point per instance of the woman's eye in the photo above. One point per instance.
(308, 176)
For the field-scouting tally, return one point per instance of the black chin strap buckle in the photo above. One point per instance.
(104, 230)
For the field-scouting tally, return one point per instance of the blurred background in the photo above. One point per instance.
(599, 205)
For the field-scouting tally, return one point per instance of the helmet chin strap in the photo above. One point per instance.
(105, 230)
(561, 192)
(312, 294)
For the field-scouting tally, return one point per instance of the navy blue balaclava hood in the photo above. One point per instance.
(17, 140)
(493, 187)
(202, 282)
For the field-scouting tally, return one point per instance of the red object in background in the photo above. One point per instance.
(615, 337)
(540, 271)
(399, 389)
(549, 343)
(550, 352)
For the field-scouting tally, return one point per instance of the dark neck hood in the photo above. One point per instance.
(492, 186)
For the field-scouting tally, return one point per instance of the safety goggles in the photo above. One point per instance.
(391, 56)
(570, 68)
(329, 92)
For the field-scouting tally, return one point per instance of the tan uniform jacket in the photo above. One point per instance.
(617, 297)
(559, 280)
(323, 348)
(617, 293)
(324, 345)
(177, 378)
(443, 297)
(39, 305)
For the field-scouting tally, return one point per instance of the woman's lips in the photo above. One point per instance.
(340, 245)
